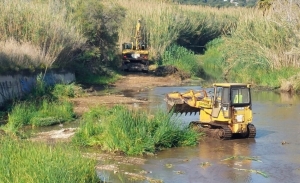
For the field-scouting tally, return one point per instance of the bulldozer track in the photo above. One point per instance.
(219, 131)
(224, 132)
(252, 131)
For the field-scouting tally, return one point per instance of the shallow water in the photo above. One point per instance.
(276, 148)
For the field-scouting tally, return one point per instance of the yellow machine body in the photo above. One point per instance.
(135, 54)
(228, 108)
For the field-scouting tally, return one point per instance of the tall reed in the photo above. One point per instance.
(260, 49)
(34, 33)
(166, 23)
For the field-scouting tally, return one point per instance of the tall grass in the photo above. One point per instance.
(25, 161)
(34, 33)
(133, 132)
(167, 23)
(262, 50)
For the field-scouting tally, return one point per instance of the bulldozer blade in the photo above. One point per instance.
(178, 105)
(183, 108)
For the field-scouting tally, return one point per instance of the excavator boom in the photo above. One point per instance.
(135, 54)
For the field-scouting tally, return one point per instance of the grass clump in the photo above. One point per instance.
(43, 113)
(25, 161)
(67, 90)
(133, 132)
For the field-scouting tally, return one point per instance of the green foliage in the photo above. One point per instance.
(212, 59)
(133, 132)
(25, 161)
(253, 53)
(182, 58)
(67, 90)
(100, 26)
(103, 79)
(39, 113)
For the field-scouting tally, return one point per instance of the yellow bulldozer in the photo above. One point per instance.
(135, 53)
(225, 111)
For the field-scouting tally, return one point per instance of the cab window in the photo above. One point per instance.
(240, 95)
(225, 96)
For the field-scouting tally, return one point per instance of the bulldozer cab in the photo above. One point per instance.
(228, 96)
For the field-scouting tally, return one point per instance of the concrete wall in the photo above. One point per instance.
(15, 86)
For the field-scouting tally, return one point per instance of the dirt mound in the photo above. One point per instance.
(165, 70)
(168, 70)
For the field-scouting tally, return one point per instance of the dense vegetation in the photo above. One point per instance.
(133, 132)
(262, 50)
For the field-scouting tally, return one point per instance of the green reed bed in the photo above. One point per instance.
(39, 113)
(24, 161)
(133, 132)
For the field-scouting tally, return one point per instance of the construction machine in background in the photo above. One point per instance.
(135, 54)
(224, 112)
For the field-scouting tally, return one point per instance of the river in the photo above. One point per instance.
(273, 156)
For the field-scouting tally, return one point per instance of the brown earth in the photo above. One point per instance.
(130, 83)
